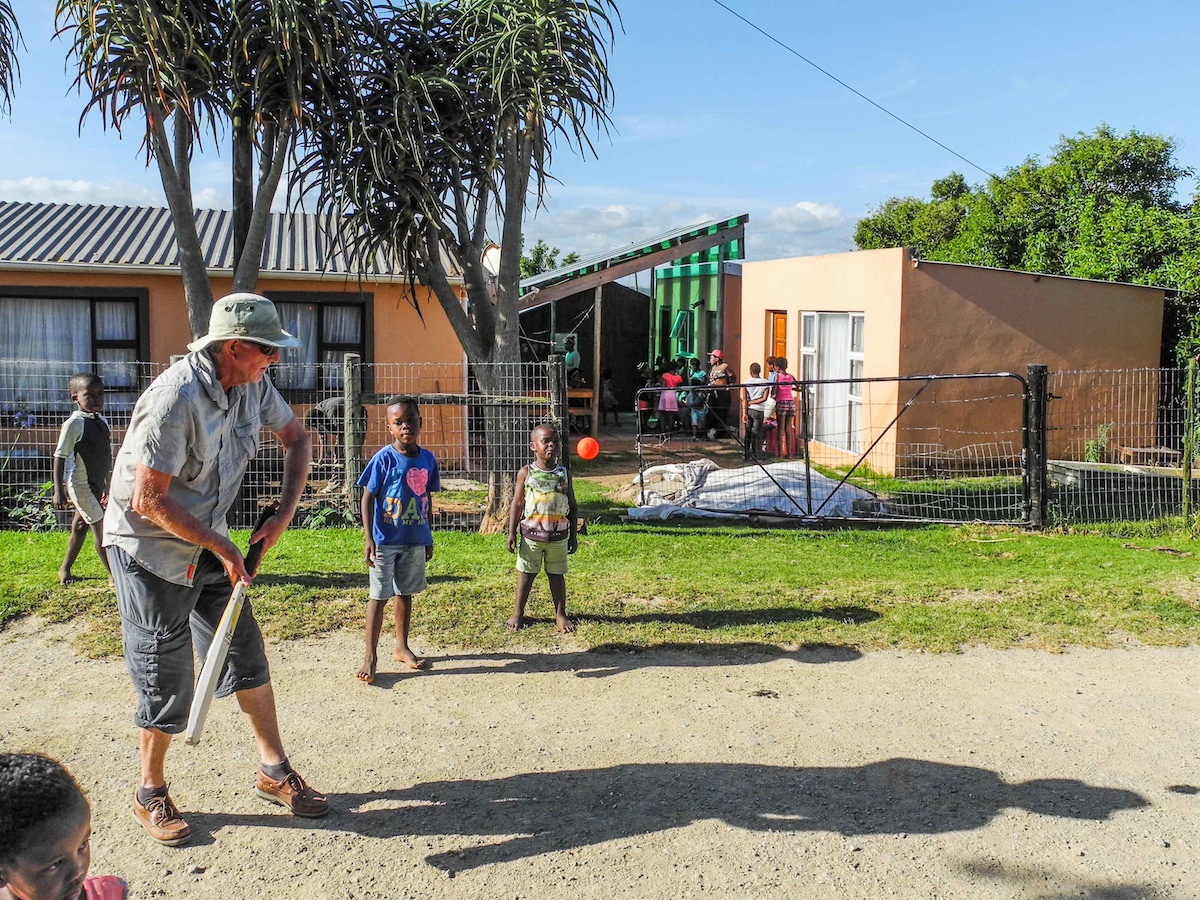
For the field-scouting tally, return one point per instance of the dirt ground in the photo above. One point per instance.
(750, 771)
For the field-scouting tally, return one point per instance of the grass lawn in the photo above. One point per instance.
(934, 588)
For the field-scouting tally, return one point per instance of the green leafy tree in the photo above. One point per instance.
(451, 136)
(183, 71)
(543, 258)
(1103, 206)
(10, 70)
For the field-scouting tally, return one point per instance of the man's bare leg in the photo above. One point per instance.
(524, 583)
(402, 615)
(558, 593)
(152, 750)
(259, 706)
(374, 618)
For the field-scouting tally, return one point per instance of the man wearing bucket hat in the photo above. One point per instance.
(178, 471)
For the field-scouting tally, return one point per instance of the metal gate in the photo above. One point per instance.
(917, 448)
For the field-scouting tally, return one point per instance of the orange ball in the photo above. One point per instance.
(587, 448)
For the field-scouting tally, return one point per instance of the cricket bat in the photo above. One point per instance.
(206, 685)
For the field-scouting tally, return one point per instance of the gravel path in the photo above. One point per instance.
(740, 772)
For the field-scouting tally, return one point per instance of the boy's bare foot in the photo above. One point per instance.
(366, 673)
(406, 656)
(515, 622)
(65, 577)
(565, 625)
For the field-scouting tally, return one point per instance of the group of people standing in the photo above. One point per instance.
(770, 412)
(705, 399)
(690, 396)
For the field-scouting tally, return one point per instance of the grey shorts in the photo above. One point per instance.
(86, 502)
(399, 571)
(162, 622)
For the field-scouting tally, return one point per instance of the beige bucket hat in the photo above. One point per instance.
(245, 317)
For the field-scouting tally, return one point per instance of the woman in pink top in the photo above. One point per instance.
(668, 401)
(785, 407)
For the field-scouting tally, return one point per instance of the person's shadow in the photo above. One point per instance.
(542, 812)
(604, 660)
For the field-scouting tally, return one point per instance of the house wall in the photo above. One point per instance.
(401, 335)
(970, 319)
(938, 318)
(868, 282)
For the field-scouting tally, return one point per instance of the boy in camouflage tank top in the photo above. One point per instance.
(541, 526)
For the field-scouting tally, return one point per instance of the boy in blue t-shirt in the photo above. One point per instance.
(396, 513)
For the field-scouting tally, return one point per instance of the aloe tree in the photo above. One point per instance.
(455, 119)
(187, 71)
(10, 70)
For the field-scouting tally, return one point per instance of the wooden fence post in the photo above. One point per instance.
(560, 413)
(1189, 444)
(353, 428)
(1035, 444)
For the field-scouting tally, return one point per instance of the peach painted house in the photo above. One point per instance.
(84, 284)
(884, 313)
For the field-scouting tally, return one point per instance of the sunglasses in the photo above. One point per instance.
(264, 349)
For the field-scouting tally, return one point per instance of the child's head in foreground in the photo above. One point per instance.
(543, 441)
(404, 422)
(87, 390)
(45, 829)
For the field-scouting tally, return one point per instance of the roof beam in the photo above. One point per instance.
(571, 286)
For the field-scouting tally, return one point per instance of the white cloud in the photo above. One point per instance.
(805, 217)
(111, 193)
(48, 190)
(803, 229)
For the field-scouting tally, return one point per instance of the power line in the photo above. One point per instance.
(796, 53)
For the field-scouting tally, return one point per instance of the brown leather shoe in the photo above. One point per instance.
(293, 793)
(161, 820)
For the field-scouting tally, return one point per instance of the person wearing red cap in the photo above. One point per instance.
(720, 376)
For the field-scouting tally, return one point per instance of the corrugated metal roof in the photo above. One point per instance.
(61, 234)
(677, 237)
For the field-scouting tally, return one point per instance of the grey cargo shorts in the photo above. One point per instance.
(161, 623)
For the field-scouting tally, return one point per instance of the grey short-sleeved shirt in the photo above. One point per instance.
(187, 426)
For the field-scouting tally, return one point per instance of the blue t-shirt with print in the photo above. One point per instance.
(401, 485)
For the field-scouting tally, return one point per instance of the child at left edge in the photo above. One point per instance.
(86, 440)
(397, 510)
(46, 834)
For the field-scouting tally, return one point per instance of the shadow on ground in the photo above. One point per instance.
(543, 812)
(613, 659)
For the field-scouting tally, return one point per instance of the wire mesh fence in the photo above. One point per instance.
(35, 400)
(475, 419)
(923, 448)
(931, 448)
(1116, 444)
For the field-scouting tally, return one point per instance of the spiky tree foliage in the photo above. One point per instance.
(186, 71)
(10, 70)
(452, 136)
(455, 124)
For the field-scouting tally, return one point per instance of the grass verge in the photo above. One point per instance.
(936, 588)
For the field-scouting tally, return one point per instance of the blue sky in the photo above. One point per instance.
(713, 119)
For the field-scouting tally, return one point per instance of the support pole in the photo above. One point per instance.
(1189, 444)
(596, 362)
(353, 428)
(556, 372)
(1036, 460)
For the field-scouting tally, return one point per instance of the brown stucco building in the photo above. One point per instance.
(884, 313)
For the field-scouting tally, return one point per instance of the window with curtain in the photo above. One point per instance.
(328, 329)
(832, 349)
(65, 335)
